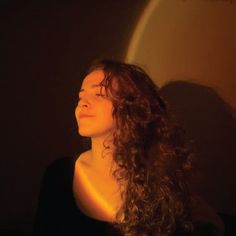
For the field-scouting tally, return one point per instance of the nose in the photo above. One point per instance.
(83, 102)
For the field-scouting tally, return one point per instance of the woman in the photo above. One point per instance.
(133, 178)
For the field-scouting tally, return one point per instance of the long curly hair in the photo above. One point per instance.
(150, 152)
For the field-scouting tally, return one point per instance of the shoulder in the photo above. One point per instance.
(58, 173)
(59, 165)
(84, 157)
(62, 169)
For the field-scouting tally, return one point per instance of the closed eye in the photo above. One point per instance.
(100, 95)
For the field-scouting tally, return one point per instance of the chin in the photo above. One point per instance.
(87, 133)
(93, 134)
(84, 133)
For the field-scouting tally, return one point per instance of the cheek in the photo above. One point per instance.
(77, 110)
(107, 113)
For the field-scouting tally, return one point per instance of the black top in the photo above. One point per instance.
(58, 214)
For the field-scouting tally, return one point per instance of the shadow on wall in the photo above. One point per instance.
(209, 122)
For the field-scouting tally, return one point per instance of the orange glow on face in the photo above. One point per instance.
(94, 110)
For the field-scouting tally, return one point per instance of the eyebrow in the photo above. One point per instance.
(92, 86)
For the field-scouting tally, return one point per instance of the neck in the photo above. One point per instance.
(101, 154)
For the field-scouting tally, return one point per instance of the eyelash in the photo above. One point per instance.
(100, 95)
(97, 95)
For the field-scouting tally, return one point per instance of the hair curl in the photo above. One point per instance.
(150, 153)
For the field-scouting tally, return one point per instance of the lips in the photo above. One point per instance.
(85, 116)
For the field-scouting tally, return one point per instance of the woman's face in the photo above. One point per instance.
(94, 110)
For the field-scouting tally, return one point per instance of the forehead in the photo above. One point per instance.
(93, 78)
